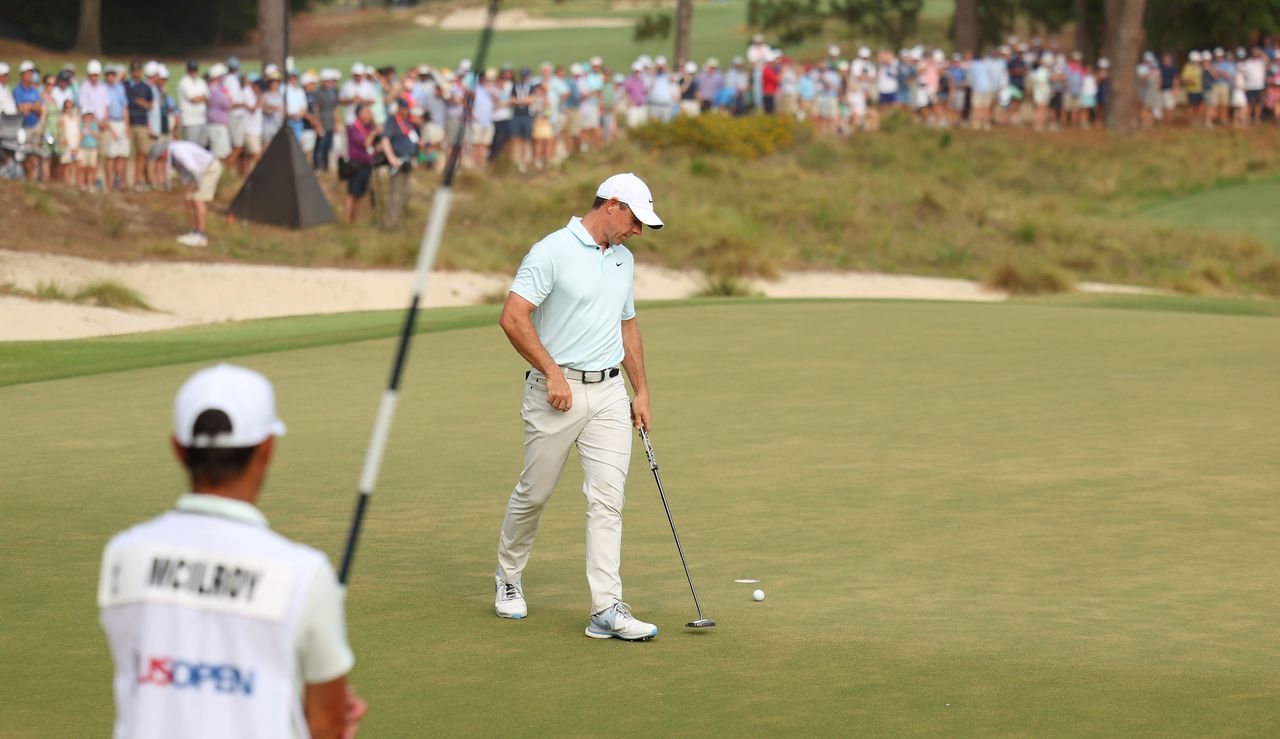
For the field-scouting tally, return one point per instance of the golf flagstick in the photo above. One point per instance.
(427, 251)
(701, 623)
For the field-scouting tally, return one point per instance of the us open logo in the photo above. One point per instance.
(181, 674)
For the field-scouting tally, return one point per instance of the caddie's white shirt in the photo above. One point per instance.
(216, 624)
(193, 114)
(582, 296)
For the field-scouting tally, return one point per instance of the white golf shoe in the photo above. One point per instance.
(509, 600)
(618, 621)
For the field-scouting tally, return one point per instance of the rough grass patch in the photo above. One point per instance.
(111, 294)
(1029, 277)
(725, 286)
(749, 137)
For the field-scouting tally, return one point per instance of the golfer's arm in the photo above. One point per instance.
(517, 323)
(325, 705)
(633, 356)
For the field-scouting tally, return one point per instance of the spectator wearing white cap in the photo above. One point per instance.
(1191, 81)
(115, 142)
(235, 121)
(157, 122)
(218, 114)
(28, 100)
(7, 105)
(663, 92)
(272, 104)
(193, 104)
(295, 104)
(141, 100)
(328, 117)
(349, 94)
(251, 97)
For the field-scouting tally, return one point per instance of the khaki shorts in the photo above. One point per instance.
(235, 129)
(253, 143)
(140, 139)
(208, 187)
(89, 158)
(116, 147)
(1220, 95)
(433, 133)
(983, 100)
(541, 129)
(572, 122)
(480, 134)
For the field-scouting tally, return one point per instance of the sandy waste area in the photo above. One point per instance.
(189, 293)
(472, 19)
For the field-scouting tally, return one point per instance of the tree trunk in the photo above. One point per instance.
(1081, 12)
(966, 22)
(684, 28)
(89, 33)
(271, 32)
(1124, 46)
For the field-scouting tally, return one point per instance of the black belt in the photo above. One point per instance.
(586, 377)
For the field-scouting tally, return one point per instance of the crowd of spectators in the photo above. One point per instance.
(114, 129)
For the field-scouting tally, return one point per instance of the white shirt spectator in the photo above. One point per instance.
(235, 93)
(1255, 74)
(351, 95)
(252, 111)
(295, 100)
(193, 113)
(887, 81)
(192, 158)
(7, 106)
(93, 99)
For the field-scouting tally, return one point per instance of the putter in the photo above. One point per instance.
(701, 623)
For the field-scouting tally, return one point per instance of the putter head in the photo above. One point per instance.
(702, 623)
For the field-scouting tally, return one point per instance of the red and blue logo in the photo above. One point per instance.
(181, 674)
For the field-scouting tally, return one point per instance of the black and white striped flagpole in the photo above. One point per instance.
(426, 262)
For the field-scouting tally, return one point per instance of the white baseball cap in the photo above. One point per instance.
(164, 71)
(93, 67)
(244, 395)
(217, 70)
(150, 69)
(26, 66)
(357, 68)
(632, 192)
(4, 68)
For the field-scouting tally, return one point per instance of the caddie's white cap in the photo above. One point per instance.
(93, 67)
(631, 191)
(244, 395)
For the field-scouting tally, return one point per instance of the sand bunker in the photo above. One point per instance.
(472, 19)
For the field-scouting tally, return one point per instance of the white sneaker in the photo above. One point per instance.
(198, 239)
(186, 238)
(618, 621)
(509, 600)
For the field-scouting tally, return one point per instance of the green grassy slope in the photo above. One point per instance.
(969, 519)
(1247, 208)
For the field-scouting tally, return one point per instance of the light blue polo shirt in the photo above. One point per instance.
(582, 296)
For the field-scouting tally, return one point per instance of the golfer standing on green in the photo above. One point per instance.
(570, 313)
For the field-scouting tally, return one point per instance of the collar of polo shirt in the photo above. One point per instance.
(577, 229)
(217, 505)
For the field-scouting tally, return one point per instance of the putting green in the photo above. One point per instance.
(969, 519)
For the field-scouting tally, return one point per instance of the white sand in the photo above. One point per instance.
(472, 19)
(187, 293)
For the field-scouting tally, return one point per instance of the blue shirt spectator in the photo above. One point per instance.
(982, 76)
(139, 91)
(117, 102)
(24, 95)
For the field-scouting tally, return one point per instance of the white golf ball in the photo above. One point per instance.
(758, 595)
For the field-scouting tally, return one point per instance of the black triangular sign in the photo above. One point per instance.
(282, 189)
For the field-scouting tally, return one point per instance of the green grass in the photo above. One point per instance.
(1013, 519)
(1247, 208)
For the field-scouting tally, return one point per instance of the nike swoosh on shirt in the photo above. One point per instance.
(619, 264)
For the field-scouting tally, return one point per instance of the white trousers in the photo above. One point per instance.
(599, 424)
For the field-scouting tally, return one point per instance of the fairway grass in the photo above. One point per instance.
(1019, 519)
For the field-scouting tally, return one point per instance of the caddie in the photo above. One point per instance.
(571, 315)
(218, 626)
